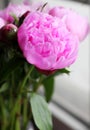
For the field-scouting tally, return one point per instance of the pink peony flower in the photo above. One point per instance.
(14, 10)
(2, 22)
(46, 42)
(75, 23)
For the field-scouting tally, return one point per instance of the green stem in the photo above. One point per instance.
(25, 79)
(14, 110)
(27, 91)
(13, 79)
(25, 108)
(12, 85)
(4, 120)
(13, 113)
(37, 85)
(11, 100)
(18, 115)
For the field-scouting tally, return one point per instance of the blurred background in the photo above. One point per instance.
(71, 100)
(5, 2)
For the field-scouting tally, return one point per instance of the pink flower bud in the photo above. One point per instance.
(8, 33)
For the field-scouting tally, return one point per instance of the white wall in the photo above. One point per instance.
(1, 4)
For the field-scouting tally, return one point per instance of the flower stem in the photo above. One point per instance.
(18, 115)
(4, 120)
(13, 112)
(25, 113)
(25, 78)
(37, 85)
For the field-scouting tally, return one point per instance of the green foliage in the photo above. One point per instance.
(49, 88)
(4, 87)
(41, 113)
(11, 66)
(59, 72)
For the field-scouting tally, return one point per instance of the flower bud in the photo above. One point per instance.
(8, 33)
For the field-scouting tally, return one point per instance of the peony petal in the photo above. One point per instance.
(76, 24)
(2, 22)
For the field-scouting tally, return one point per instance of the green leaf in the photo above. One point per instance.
(62, 71)
(16, 19)
(4, 87)
(41, 113)
(58, 72)
(49, 88)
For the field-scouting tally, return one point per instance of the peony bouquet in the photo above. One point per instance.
(37, 43)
